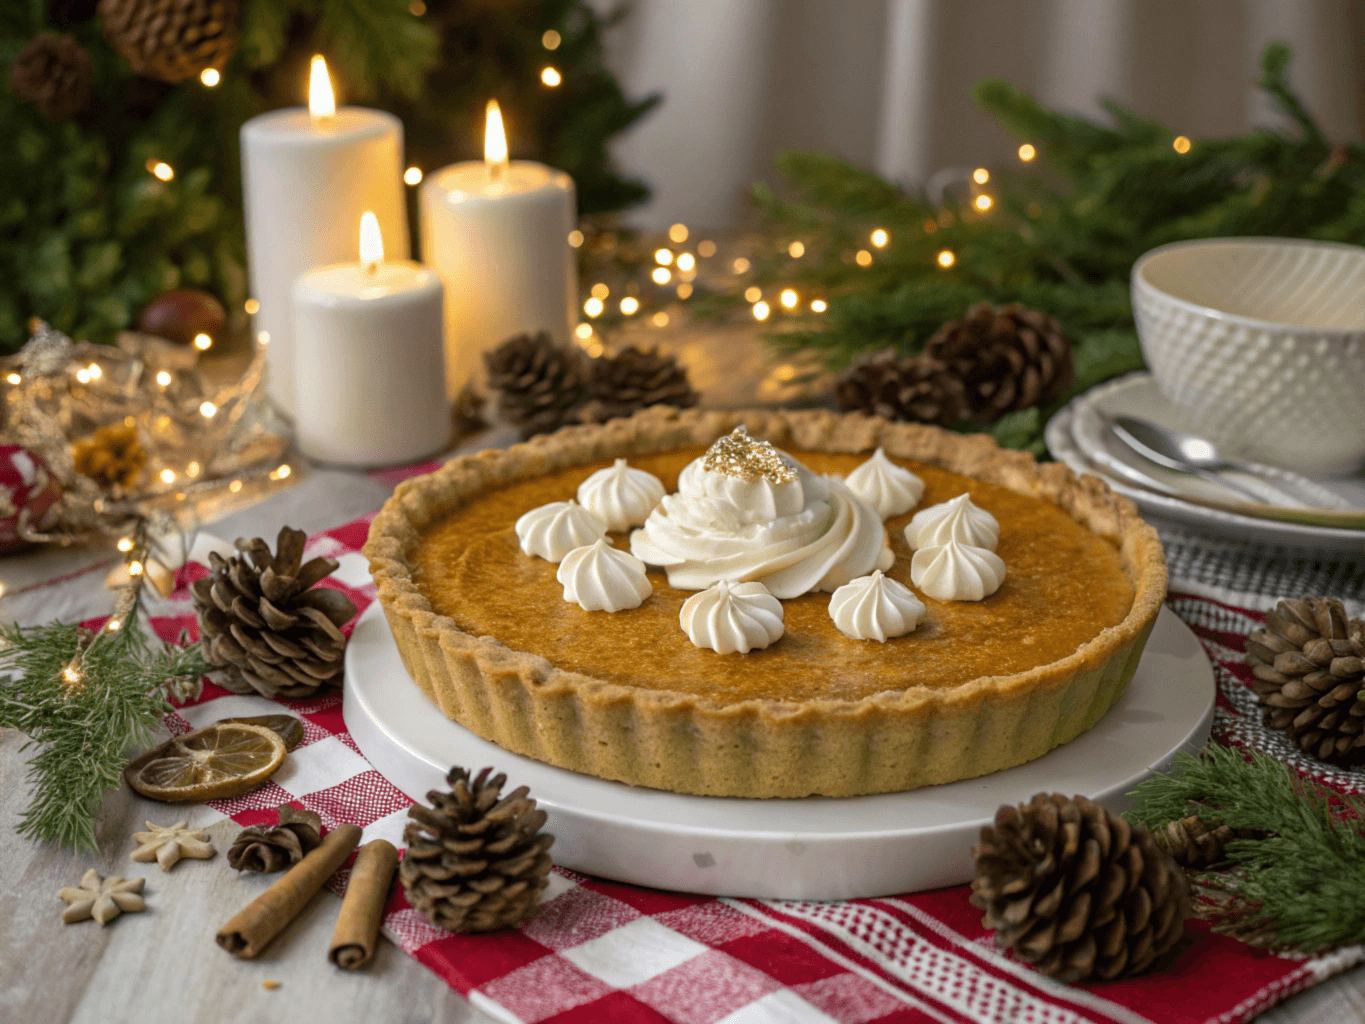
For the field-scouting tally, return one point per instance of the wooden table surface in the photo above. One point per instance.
(163, 964)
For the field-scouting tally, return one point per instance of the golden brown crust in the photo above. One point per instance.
(760, 748)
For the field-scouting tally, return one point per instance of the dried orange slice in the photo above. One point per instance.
(287, 727)
(223, 760)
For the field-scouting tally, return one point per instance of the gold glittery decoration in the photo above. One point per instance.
(739, 455)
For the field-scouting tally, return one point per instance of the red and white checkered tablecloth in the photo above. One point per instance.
(603, 951)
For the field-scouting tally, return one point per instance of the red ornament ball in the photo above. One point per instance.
(27, 494)
(181, 314)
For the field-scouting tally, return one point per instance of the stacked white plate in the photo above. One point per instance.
(1079, 436)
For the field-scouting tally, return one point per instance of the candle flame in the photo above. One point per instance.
(321, 100)
(494, 142)
(371, 242)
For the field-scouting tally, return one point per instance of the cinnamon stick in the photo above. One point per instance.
(266, 916)
(367, 894)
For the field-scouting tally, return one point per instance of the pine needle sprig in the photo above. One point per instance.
(84, 699)
(1297, 888)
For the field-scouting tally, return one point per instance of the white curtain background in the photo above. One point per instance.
(887, 83)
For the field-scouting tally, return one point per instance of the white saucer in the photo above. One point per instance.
(816, 848)
(1074, 436)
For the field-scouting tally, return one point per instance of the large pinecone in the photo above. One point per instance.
(896, 387)
(539, 384)
(635, 379)
(172, 40)
(1076, 890)
(476, 860)
(1309, 668)
(1008, 358)
(265, 625)
(53, 73)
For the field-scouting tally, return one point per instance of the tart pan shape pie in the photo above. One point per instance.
(979, 687)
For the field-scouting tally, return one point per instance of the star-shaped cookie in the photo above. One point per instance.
(168, 844)
(102, 898)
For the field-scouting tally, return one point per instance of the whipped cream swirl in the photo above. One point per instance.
(732, 617)
(621, 496)
(599, 578)
(745, 511)
(957, 572)
(887, 487)
(875, 607)
(957, 519)
(552, 531)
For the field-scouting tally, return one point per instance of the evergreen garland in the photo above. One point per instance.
(1063, 242)
(1301, 883)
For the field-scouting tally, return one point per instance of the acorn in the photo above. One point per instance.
(181, 314)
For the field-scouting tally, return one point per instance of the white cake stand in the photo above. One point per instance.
(816, 848)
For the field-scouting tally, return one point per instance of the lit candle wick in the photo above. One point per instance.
(321, 100)
(494, 143)
(371, 243)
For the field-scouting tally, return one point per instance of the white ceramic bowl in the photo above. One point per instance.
(1262, 341)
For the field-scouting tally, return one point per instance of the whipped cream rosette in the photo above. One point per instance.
(874, 608)
(957, 519)
(957, 572)
(887, 487)
(732, 617)
(620, 495)
(599, 578)
(746, 512)
(552, 531)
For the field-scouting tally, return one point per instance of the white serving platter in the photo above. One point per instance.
(816, 848)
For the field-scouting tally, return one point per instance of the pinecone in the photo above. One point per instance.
(270, 848)
(1076, 890)
(538, 383)
(897, 387)
(1192, 844)
(265, 625)
(1008, 359)
(1309, 668)
(53, 73)
(112, 456)
(172, 40)
(635, 379)
(476, 860)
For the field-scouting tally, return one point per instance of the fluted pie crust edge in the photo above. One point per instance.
(673, 741)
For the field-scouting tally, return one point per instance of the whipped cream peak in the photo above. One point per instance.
(738, 455)
(620, 495)
(732, 617)
(957, 572)
(957, 519)
(874, 608)
(887, 487)
(598, 577)
(552, 531)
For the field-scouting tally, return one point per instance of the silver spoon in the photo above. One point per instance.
(1186, 453)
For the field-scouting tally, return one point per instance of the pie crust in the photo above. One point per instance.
(663, 739)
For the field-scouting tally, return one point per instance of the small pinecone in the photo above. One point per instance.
(476, 860)
(1008, 359)
(635, 379)
(112, 456)
(53, 73)
(172, 40)
(1076, 890)
(1192, 844)
(1309, 668)
(896, 387)
(269, 848)
(538, 383)
(265, 625)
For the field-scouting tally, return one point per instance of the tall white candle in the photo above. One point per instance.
(369, 387)
(498, 234)
(307, 176)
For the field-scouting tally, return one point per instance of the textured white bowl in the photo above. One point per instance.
(1262, 341)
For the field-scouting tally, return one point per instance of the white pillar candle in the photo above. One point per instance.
(307, 176)
(498, 234)
(369, 386)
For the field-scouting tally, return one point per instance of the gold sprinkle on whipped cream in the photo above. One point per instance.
(739, 455)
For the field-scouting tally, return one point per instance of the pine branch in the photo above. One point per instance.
(1302, 882)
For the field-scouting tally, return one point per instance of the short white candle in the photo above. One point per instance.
(498, 234)
(369, 386)
(307, 176)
